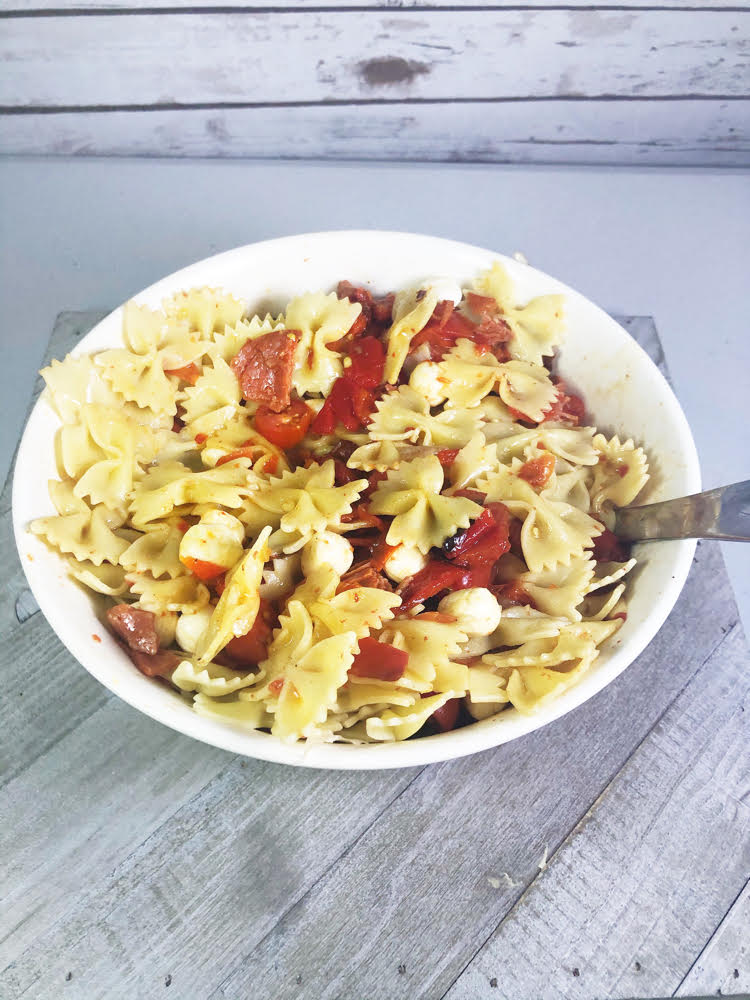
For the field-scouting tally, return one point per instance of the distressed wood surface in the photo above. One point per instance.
(59, 62)
(392, 6)
(726, 958)
(667, 132)
(134, 857)
(637, 82)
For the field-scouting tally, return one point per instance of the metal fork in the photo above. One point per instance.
(721, 513)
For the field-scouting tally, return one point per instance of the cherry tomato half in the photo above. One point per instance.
(287, 428)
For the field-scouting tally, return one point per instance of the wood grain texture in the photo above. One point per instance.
(724, 964)
(651, 868)
(673, 132)
(392, 6)
(234, 58)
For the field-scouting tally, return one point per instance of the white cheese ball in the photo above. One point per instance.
(475, 609)
(446, 288)
(483, 709)
(190, 628)
(425, 379)
(326, 548)
(405, 561)
(217, 539)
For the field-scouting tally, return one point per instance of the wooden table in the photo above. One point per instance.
(606, 855)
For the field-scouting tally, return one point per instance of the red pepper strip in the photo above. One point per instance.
(446, 717)
(483, 542)
(458, 545)
(437, 616)
(343, 473)
(511, 594)
(202, 569)
(361, 513)
(188, 373)
(537, 471)
(567, 407)
(249, 649)
(436, 577)
(441, 336)
(381, 553)
(482, 305)
(348, 404)
(368, 360)
(609, 548)
(379, 661)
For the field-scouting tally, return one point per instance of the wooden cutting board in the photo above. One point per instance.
(606, 855)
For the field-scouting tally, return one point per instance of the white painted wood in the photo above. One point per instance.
(724, 964)
(649, 870)
(394, 7)
(626, 132)
(471, 835)
(313, 56)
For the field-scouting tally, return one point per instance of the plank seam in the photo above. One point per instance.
(711, 938)
(60, 109)
(386, 11)
(317, 881)
(591, 808)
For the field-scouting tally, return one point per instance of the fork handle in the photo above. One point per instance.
(721, 513)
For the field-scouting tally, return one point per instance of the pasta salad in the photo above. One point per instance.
(364, 519)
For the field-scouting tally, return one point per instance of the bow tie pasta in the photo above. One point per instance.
(360, 520)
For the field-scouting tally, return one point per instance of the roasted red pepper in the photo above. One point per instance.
(537, 471)
(379, 661)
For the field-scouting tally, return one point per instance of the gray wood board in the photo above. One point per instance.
(626, 131)
(133, 854)
(412, 7)
(529, 82)
(314, 56)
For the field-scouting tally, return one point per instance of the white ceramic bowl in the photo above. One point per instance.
(623, 391)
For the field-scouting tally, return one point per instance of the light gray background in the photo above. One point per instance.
(671, 243)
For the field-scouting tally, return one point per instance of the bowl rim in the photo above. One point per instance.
(479, 736)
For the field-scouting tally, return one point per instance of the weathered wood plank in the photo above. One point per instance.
(394, 7)
(47, 693)
(69, 62)
(667, 132)
(724, 964)
(84, 806)
(470, 836)
(650, 870)
(192, 899)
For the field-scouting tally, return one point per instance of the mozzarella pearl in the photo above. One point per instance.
(190, 628)
(405, 561)
(425, 379)
(217, 539)
(475, 609)
(326, 548)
